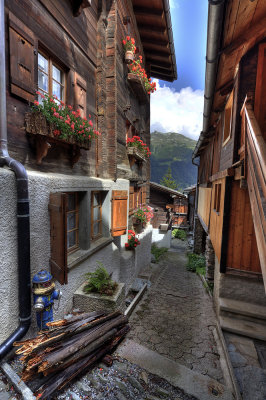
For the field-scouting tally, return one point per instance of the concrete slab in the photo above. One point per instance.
(192, 383)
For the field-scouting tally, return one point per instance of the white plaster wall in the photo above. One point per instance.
(162, 239)
(135, 261)
(40, 186)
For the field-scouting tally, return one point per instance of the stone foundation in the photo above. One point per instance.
(199, 237)
(209, 259)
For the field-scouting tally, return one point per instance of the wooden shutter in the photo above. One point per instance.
(131, 198)
(58, 236)
(80, 94)
(119, 212)
(143, 195)
(23, 59)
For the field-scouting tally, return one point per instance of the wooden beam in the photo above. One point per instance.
(222, 174)
(145, 11)
(248, 37)
(159, 64)
(168, 78)
(149, 28)
(161, 71)
(151, 54)
(147, 42)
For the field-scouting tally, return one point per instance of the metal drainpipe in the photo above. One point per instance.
(215, 24)
(23, 221)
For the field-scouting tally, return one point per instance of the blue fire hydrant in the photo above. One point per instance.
(44, 294)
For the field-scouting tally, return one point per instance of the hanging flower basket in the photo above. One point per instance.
(129, 49)
(129, 56)
(136, 153)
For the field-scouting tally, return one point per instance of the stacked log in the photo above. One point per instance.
(70, 347)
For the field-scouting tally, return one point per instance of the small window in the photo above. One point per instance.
(96, 214)
(217, 197)
(51, 78)
(72, 215)
(228, 118)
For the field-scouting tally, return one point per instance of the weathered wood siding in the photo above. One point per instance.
(242, 251)
(216, 219)
(204, 204)
(71, 41)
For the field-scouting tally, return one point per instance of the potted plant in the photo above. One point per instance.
(142, 215)
(133, 242)
(100, 292)
(129, 48)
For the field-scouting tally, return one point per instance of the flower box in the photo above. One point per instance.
(138, 87)
(37, 125)
(96, 302)
(136, 153)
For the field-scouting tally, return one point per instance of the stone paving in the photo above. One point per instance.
(176, 318)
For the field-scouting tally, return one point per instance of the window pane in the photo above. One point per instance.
(42, 63)
(96, 199)
(57, 90)
(42, 81)
(40, 100)
(71, 202)
(57, 74)
(96, 214)
(71, 221)
(71, 239)
(96, 230)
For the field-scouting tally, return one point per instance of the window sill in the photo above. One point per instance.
(80, 255)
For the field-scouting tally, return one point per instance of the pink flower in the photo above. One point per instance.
(36, 102)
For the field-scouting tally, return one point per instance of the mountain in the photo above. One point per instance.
(173, 150)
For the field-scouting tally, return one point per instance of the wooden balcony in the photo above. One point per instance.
(254, 147)
(136, 83)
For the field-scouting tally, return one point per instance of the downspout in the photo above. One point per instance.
(215, 23)
(23, 221)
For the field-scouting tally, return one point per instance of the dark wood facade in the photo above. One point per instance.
(85, 45)
(170, 206)
(231, 192)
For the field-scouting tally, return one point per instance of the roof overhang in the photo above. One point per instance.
(155, 28)
(244, 25)
(165, 189)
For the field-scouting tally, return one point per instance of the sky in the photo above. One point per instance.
(178, 106)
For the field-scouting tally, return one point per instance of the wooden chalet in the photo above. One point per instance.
(231, 155)
(80, 195)
(170, 206)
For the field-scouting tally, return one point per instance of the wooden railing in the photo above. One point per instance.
(255, 171)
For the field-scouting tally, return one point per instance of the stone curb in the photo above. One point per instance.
(230, 379)
(17, 382)
(192, 383)
(136, 300)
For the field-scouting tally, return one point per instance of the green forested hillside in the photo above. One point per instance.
(173, 150)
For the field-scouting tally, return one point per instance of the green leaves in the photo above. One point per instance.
(99, 281)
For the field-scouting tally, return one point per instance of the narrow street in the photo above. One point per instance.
(176, 318)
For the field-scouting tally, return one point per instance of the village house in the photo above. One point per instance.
(170, 211)
(73, 207)
(231, 152)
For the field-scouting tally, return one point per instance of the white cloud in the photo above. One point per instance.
(180, 112)
(173, 4)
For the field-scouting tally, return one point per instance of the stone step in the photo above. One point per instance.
(240, 307)
(242, 327)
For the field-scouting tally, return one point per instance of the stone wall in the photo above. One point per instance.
(199, 236)
(162, 239)
(209, 259)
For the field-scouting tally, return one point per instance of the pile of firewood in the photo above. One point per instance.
(70, 347)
